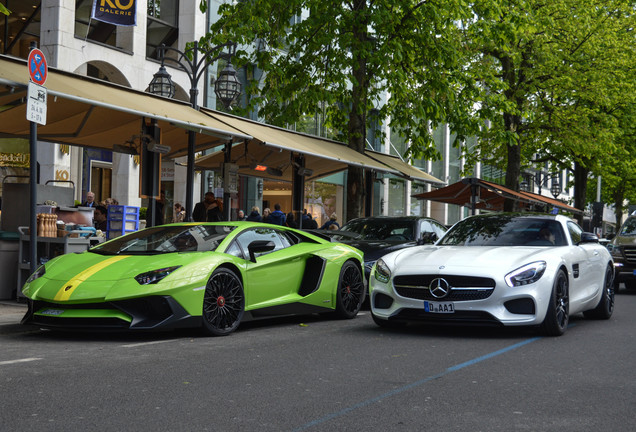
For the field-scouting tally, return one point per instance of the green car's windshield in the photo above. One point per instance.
(166, 239)
(629, 227)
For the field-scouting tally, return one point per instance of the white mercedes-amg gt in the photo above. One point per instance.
(497, 269)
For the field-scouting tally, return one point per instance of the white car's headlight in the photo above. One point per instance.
(382, 271)
(529, 273)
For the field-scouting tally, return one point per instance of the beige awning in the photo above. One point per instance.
(87, 112)
(273, 147)
(322, 155)
(409, 171)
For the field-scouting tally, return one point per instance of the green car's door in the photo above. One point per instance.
(275, 275)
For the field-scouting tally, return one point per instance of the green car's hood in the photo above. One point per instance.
(90, 276)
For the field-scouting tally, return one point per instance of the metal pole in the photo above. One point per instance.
(33, 156)
(192, 138)
(33, 230)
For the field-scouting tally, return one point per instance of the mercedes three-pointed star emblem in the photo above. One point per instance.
(439, 288)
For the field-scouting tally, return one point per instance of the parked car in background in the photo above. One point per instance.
(379, 235)
(623, 249)
(497, 269)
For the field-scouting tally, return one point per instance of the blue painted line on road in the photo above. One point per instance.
(415, 384)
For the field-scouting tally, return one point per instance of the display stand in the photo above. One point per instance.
(121, 220)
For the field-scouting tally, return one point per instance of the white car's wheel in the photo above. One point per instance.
(605, 306)
(558, 314)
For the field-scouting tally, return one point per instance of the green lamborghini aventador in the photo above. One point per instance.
(209, 275)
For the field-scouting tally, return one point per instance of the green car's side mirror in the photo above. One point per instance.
(260, 246)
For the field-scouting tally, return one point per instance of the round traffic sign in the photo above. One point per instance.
(38, 69)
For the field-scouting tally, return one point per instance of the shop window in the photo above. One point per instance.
(101, 180)
(162, 26)
(396, 197)
(22, 27)
(93, 30)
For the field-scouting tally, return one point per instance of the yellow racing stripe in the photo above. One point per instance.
(67, 289)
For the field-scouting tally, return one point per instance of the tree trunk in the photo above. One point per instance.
(513, 166)
(357, 115)
(619, 199)
(580, 189)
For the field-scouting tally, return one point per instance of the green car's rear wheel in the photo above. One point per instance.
(223, 303)
(351, 291)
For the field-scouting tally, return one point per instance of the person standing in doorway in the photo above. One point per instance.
(100, 216)
(254, 216)
(179, 213)
(200, 213)
(277, 217)
(90, 200)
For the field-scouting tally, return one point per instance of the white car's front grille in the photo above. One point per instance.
(462, 288)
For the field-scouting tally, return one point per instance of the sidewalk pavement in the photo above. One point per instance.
(11, 311)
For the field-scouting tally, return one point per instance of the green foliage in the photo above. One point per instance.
(342, 58)
(553, 75)
(4, 10)
(535, 81)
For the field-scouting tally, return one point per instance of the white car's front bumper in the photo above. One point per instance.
(500, 305)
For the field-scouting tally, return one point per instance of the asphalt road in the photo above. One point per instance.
(315, 374)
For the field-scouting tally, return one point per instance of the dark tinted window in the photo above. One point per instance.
(266, 234)
(505, 230)
(380, 229)
(629, 227)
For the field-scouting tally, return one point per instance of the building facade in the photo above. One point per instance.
(128, 55)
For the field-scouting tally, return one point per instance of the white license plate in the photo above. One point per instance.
(439, 307)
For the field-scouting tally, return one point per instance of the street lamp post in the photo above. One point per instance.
(540, 178)
(555, 189)
(227, 87)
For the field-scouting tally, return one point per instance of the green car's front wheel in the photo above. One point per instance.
(223, 303)
(351, 290)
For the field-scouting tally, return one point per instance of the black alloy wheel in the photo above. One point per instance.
(223, 303)
(351, 291)
(605, 306)
(558, 314)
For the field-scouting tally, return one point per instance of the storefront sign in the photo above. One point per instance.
(15, 160)
(230, 177)
(14, 152)
(167, 171)
(117, 12)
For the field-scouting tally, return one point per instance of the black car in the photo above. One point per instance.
(623, 250)
(378, 235)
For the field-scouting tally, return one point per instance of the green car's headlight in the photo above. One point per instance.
(525, 275)
(382, 271)
(37, 274)
(152, 277)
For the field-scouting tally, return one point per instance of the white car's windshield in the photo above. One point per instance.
(505, 230)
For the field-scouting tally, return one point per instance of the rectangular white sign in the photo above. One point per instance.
(36, 103)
